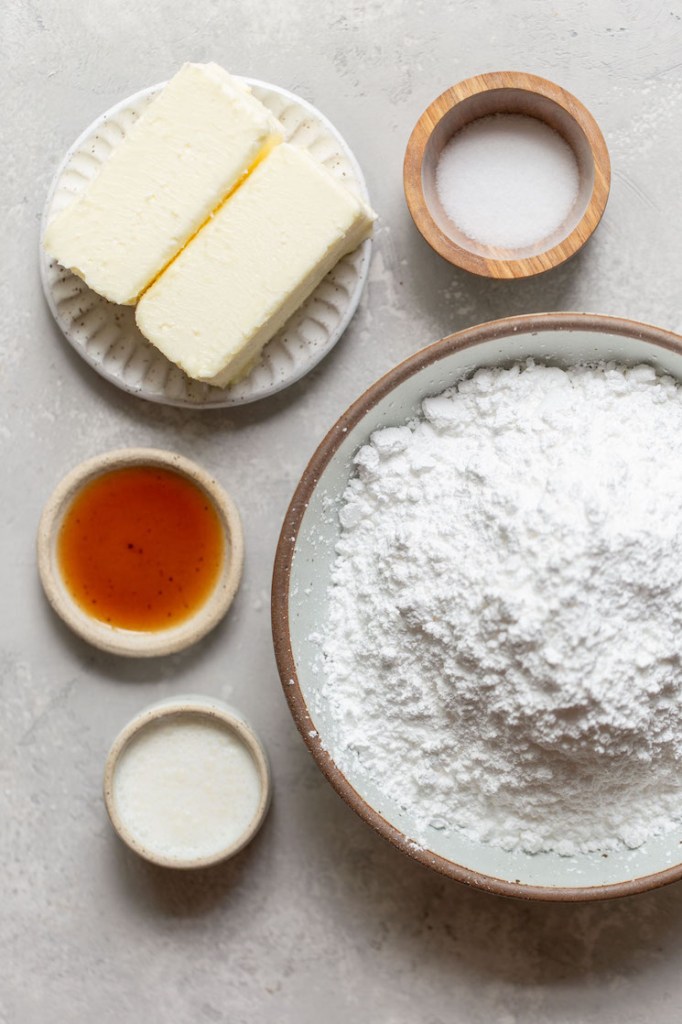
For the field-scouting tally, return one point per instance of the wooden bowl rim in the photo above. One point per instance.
(467, 338)
(490, 266)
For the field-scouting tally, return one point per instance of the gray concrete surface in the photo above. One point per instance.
(319, 919)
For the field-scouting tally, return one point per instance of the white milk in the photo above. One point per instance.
(186, 788)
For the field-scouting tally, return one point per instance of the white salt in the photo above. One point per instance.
(507, 180)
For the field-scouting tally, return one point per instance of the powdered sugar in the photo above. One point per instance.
(503, 637)
(507, 180)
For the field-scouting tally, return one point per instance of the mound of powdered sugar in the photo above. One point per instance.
(504, 634)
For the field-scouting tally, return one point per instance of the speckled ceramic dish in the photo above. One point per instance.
(207, 709)
(133, 643)
(302, 574)
(106, 335)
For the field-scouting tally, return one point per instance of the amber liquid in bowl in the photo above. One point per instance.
(141, 548)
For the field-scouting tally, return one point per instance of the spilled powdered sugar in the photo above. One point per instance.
(504, 630)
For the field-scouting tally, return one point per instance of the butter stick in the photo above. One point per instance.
(188, 149)
(251, 266)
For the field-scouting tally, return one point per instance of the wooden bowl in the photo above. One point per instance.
(507, 92)
(302, 575)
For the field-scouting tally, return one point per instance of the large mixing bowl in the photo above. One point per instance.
(302, 574)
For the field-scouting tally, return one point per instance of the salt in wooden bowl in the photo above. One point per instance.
(506, 92)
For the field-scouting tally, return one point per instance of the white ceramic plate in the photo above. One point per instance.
(106, 335)
(303, 565)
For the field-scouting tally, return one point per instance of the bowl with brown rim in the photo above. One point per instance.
(506, 92)
(303, 564)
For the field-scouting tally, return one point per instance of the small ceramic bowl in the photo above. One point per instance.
(129, 642)
(303, 566)
(205, 710)
(505, 92)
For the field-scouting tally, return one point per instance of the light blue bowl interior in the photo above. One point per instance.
(310, 578)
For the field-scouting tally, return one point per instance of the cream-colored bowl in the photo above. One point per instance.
(128, 642)
(204, 709)
(302, 575)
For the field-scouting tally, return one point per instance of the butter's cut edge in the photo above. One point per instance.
(239, 359)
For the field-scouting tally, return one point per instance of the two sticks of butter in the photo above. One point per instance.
(213, 225)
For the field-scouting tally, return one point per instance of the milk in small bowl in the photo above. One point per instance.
(187, 783)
